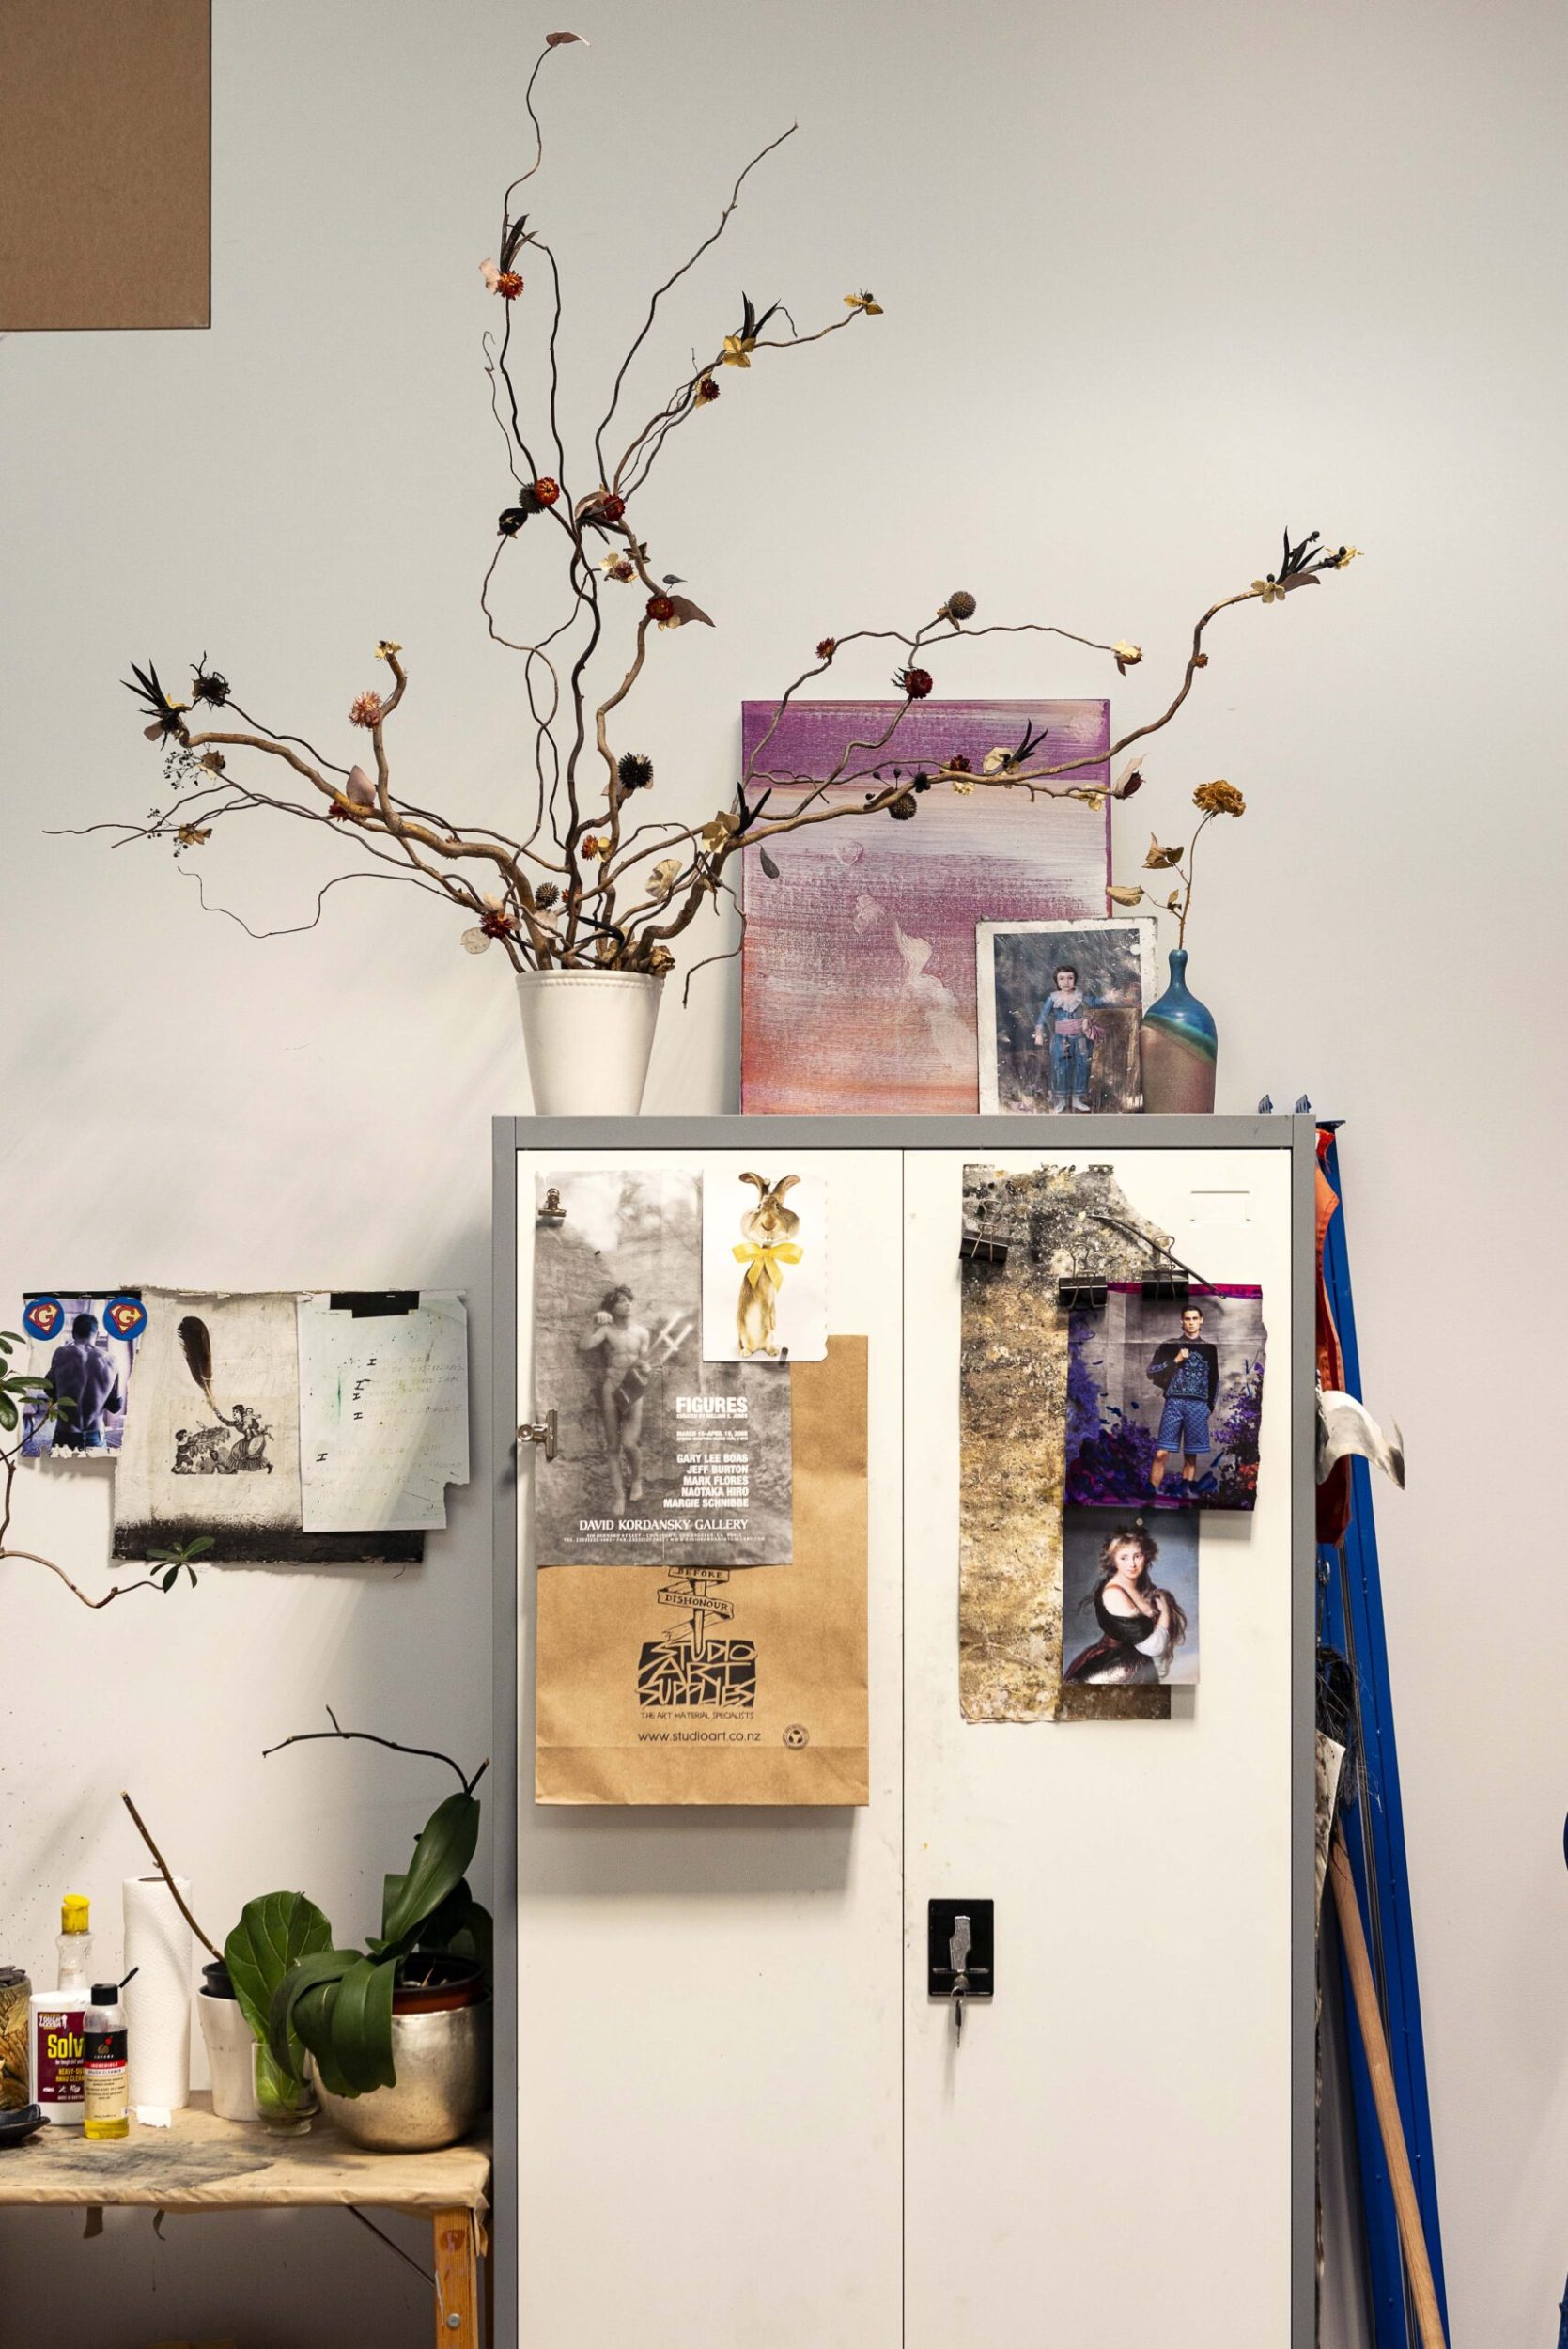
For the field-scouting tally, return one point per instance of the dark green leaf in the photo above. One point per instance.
(361, 2025)
(168, 1577)
(275, 1931)
(440, 1857)
(291, 2020)
(7, 1411)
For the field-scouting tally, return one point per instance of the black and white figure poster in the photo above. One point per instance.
(1129, 1600)
(662, 1459)
(1165, 1400)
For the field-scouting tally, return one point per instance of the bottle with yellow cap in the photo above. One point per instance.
(55, 2017)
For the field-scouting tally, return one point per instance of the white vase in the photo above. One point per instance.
(589, 1035)
(231, 2050)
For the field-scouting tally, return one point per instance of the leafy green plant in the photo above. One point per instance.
(335, 2005)
(274, 1935)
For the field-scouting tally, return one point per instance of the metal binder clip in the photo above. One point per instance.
(540, 1432)
(1166, 1288)
(1080, 1293)
(974, 1248)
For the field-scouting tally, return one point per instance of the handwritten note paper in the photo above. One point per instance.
(383, 1413)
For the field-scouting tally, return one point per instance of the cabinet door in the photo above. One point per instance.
(1108, 2156)
(708, 2001)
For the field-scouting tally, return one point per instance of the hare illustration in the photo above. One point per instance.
(769, 1244)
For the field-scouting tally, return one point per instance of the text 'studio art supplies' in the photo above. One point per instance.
(55, 2019)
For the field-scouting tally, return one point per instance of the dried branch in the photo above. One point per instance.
(164, 1870)
(429, 1753)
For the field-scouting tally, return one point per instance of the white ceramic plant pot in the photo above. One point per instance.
(589, 1035)
(230, 2052)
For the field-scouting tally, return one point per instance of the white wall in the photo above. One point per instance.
(1157, 281)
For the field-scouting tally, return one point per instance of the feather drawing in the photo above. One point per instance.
(195, 1341)
(1344, 1426)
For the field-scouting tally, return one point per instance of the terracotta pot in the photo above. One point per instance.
(589, 1035)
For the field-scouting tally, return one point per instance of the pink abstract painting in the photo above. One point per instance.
(858, 970)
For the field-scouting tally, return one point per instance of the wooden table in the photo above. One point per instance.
(201, 2163)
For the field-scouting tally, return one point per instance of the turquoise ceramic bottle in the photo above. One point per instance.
(1180, 1047)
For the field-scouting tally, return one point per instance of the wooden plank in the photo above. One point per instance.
(457, 2280)
(202, 2163)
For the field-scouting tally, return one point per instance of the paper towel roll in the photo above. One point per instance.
(158, 2002)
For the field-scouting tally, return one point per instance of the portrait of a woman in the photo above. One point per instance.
(1140, 1625)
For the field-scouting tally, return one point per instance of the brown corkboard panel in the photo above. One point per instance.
(105, 152)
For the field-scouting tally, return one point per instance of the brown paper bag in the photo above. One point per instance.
(660, 1685)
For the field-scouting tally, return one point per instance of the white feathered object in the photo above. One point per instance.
(1345, 1426)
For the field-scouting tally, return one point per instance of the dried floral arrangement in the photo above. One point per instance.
(1210, 800)
(586, 880)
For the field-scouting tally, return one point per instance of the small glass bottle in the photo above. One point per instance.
(105, 2072)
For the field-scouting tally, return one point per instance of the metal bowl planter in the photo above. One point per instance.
(440, 2050)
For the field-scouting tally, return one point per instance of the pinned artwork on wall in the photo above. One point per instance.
(1059, 1007)
(764, 1269)
(1165, 1400)
(660, 1457)
(384, 1409)
(84, 1347)
(858, 961)
(1130, 1601)
(212, 1447)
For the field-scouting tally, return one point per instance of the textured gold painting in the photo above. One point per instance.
(1013, 1386)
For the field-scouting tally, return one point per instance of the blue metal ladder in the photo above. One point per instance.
(1351, 1619)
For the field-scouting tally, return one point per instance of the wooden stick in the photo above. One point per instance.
(163, 1871)
(456, 2278)
(1417, 2266)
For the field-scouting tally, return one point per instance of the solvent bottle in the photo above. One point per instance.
(105, 2072)
(55, 2019)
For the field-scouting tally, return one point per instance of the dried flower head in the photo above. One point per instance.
(960, 765)
(916, 683)
(365, 711)
(1345, 555)
(545, 895)
(207, 685)
(497, 923)
(903, 807)
(868, 303)
(963, 785)
(960, 605)
(634, 770)
(386, 648)
(718, 827)
(660, 608)
(593, 845)
(660, 959)
(825, 647)
(547, 491)
(1270, 590)
(664, 876)
(707, 389)
(738, 349)
(191, 835)
(611, 506)
(1219, 799)
(619, 566)
(1127, 657)
(213, 761)
(504, 282)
